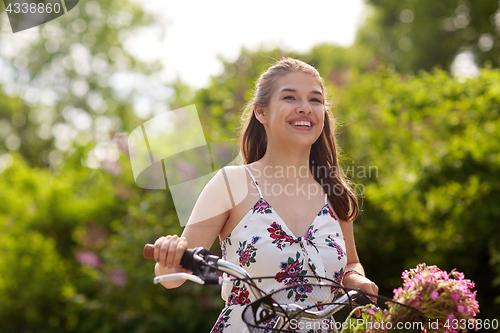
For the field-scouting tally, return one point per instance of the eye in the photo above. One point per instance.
(289, 97)
(316, 100)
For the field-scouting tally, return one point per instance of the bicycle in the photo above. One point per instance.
(273, 312)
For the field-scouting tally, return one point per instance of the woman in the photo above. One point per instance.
(290, 173)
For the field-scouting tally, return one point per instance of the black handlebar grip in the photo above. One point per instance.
(187, 261)
(362, 299)
(191, 259)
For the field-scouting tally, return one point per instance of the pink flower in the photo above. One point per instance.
(117, 277)
(245, 257)
(436, 294)
(88, 258)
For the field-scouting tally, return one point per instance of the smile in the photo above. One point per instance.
(301, 123)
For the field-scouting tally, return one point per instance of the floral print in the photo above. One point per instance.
(291, 270)
(239, 294)
(221, 323)
(331, 214)
(224, 245)
(310, 237)
(280, 237)
(247, 252)
(292, 273)
(331, 242)
(264, 246)
(323, 211)
(339, 275)
(262, 207)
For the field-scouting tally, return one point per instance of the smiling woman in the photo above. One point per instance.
(287, 227)
(284, 125)
(301, 97)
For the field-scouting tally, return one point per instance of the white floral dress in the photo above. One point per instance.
(262, 244)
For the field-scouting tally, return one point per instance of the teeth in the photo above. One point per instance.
(302, 123)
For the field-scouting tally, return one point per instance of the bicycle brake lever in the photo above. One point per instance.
(178, 276)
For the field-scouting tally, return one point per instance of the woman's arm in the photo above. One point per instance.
(357, 279)
(207, 219)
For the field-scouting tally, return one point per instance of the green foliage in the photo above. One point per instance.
(433, 140)
(71, 249)
(71, 233)
(415, 35)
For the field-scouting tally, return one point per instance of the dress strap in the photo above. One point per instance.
(254, 181)
(326, 198)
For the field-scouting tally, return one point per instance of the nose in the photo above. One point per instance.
(304, 107)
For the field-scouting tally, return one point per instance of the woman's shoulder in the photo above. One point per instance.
(220, 195)
(228, 186)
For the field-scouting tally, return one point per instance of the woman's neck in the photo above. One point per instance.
(287, 165)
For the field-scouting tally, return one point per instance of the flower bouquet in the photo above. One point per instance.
(430, 300)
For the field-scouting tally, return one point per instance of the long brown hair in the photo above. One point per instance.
(323, 161)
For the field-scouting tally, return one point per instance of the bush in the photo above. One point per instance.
(433, 141)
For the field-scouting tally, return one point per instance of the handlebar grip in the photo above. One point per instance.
(188, 260)
(149, 251)
(363, 299)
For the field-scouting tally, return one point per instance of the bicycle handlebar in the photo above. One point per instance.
(202, 262)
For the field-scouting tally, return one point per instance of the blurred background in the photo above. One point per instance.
(416, 89)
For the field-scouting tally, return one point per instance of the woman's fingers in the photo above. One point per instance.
(374, 291)
(355, 281)
(179, 251)
(172, 250)
(168, 250)
(157, 247)
(164, 250)
(371, 289)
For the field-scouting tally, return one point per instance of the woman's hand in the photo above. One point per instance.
(168, 254)
(356, 281)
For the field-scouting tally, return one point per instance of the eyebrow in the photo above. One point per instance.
(293, 90)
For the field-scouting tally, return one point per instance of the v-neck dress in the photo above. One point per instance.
(263, 245)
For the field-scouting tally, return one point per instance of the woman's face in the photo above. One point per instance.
(296, 111)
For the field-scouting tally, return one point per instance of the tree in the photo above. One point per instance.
(415, 35)
(66, 78)
(431, 195)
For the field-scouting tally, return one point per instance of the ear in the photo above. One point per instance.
(260, 114)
